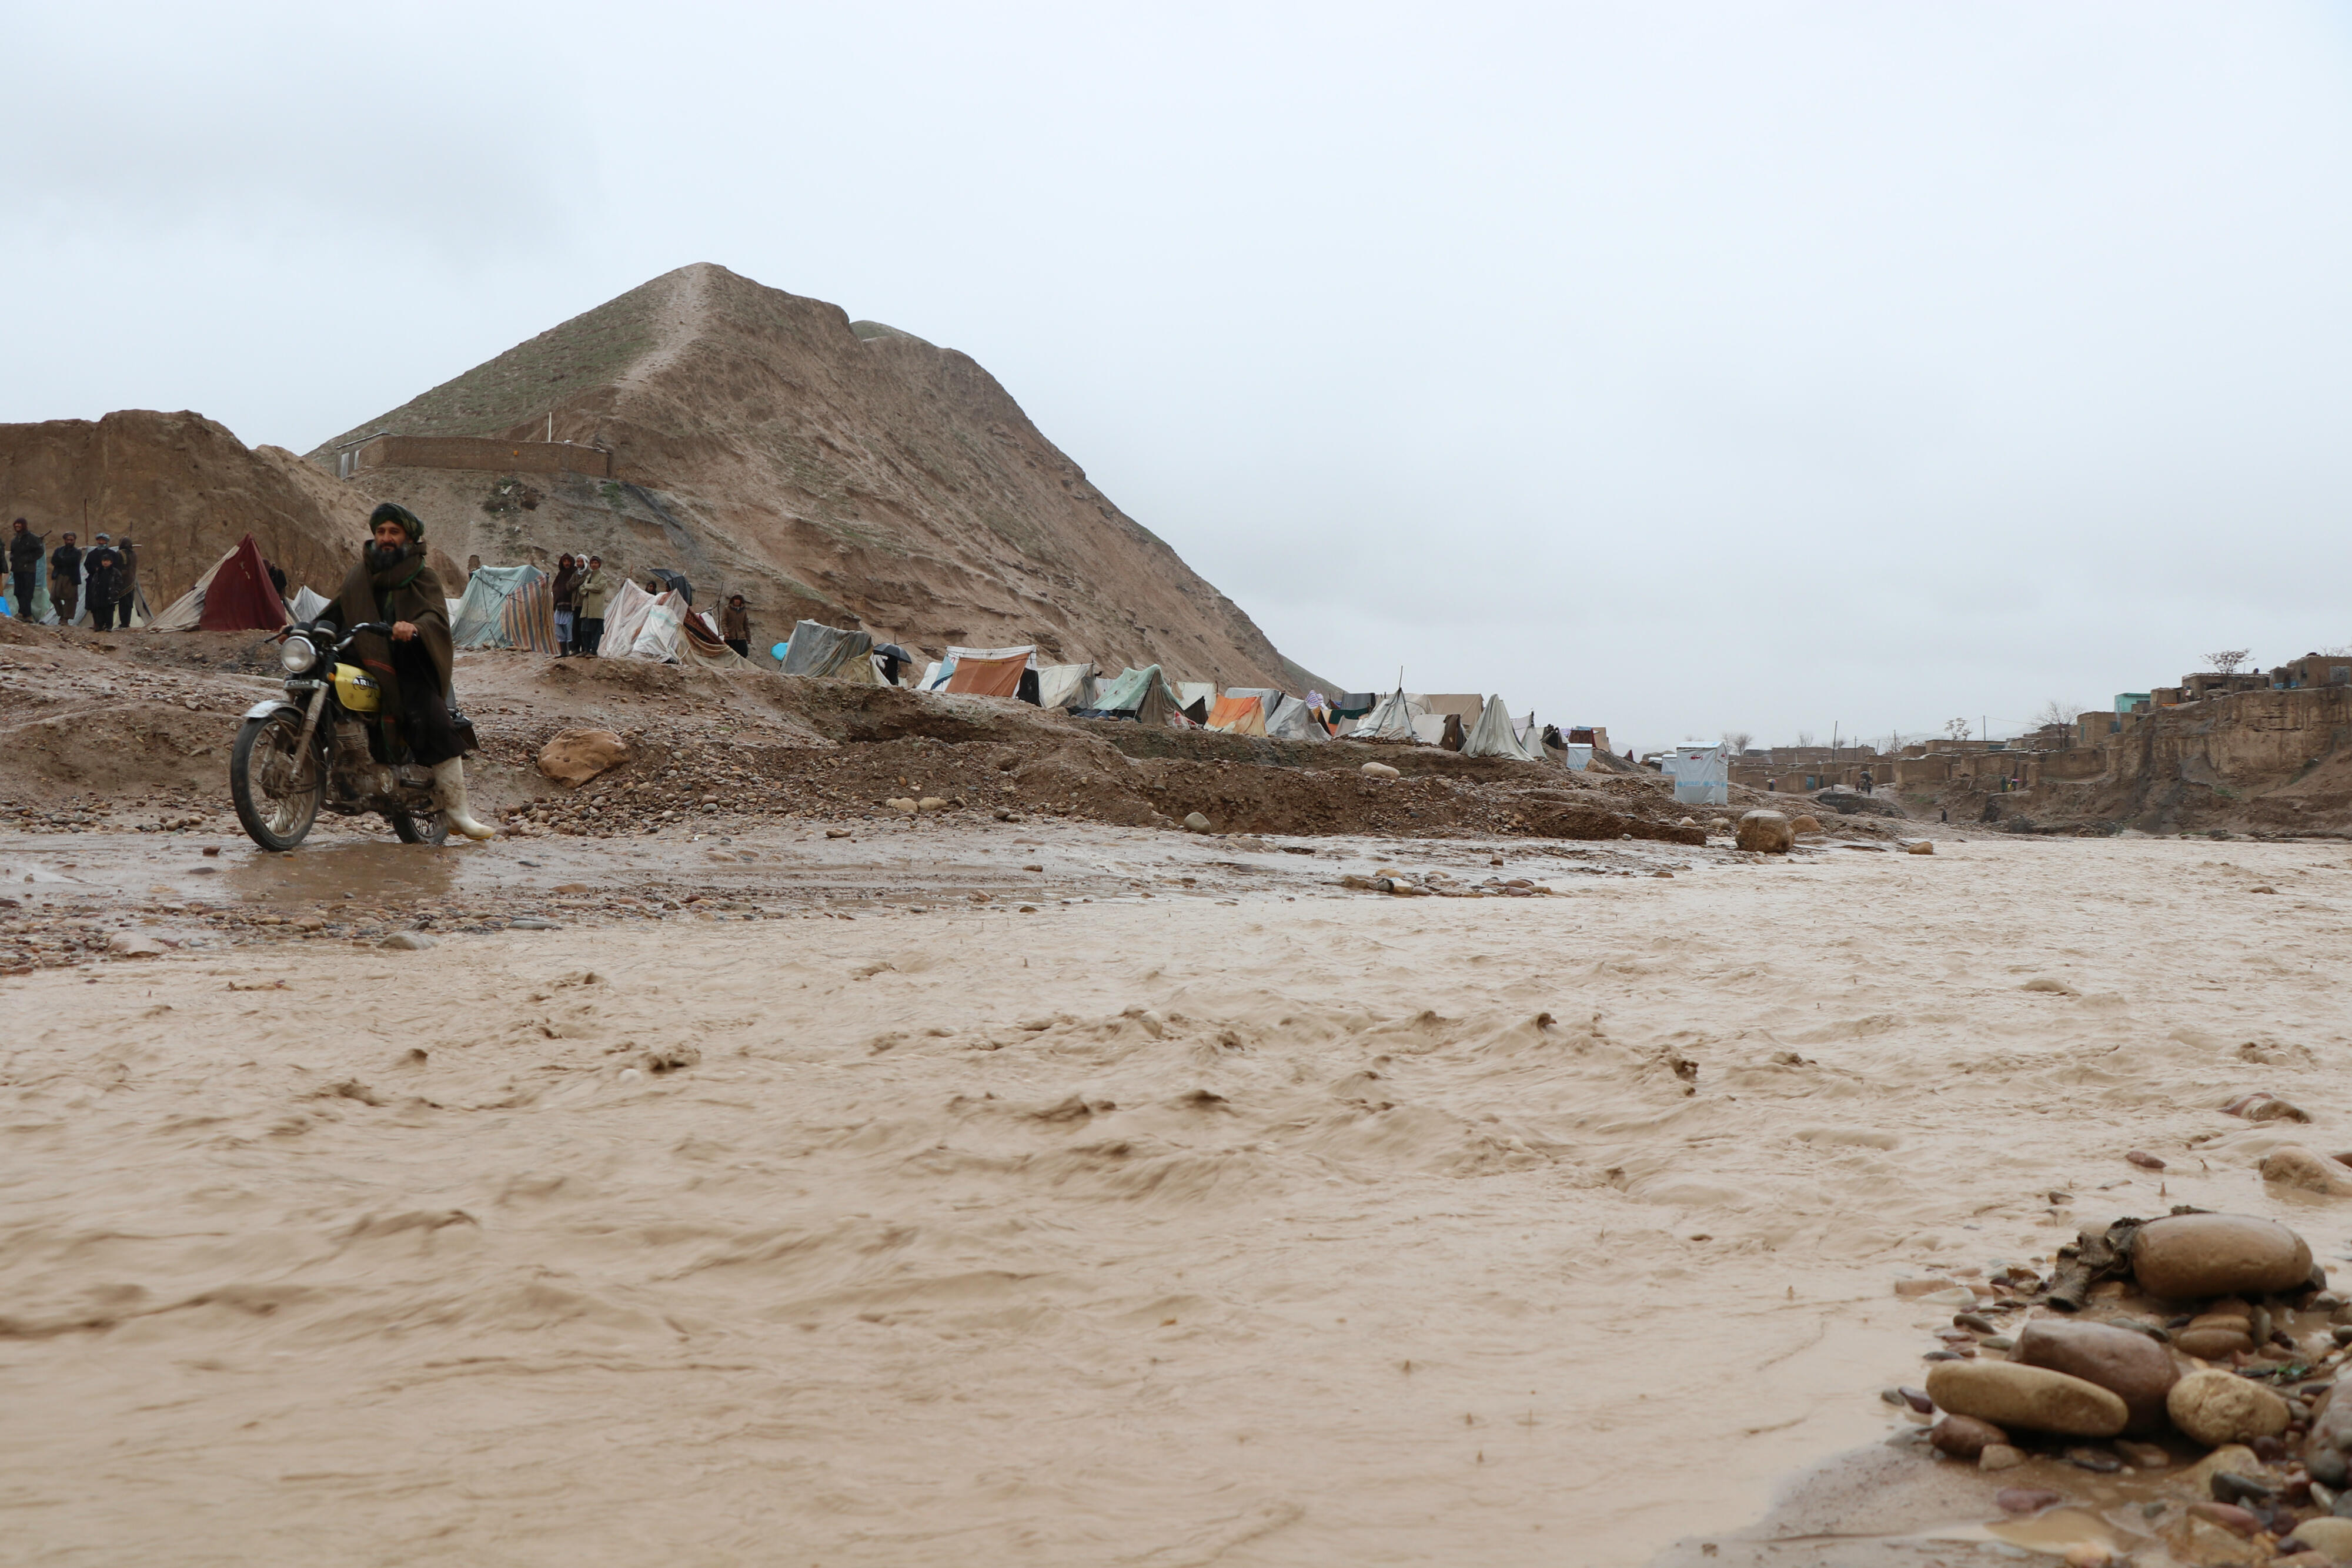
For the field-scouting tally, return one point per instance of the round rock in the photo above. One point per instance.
(2217, 1407)
(2010, 1394)
(2188, 1256)
(1965, 1437)
(2130, 1365)
(1766, 832)
(2331, 1538)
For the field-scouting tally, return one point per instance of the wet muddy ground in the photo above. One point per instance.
(64, 897)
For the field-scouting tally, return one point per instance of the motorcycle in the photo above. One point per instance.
(326, 745)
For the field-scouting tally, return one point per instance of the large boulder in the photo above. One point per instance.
(2012, 1395)
(2189, 1256)
(576, 756)
(1766, 832)
(2129, 1365)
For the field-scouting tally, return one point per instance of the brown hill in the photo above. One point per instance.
(765, 443)
(186, 490)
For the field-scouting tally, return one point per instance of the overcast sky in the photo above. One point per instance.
(1675, 368)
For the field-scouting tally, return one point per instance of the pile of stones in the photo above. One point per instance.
(2201, 1348)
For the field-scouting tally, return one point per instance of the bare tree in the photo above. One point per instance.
(1804, 738)
(1737, 740)
(1957, 729)
(2227, 661)
(1893, 745)
(2058, 711)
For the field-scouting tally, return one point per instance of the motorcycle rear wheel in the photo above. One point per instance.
(421, 828)
(266, 777)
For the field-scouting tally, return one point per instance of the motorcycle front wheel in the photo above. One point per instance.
(276, 791)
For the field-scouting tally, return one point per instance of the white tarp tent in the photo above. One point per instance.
(308, 604)
(1702, 774)
(1395, 717)
(1066, 687)
(1191, 692)
(1287, 718)
(1493, 736)
(652, 626)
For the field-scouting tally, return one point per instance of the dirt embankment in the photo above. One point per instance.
(135, 728)
(186, 490)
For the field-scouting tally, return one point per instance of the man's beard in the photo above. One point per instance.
(379, 559)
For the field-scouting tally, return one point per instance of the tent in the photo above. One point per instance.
(830, 652)
(937, 676)
(308, 605)
(699, 642)
(1392, 718)
(1202, 691)
(1701, 772)
(1238, 715)
(1493, 736)
(234, 595)
(1140, 694)
(506, 607)
(993, 677)
(1291, 719)
(674, 581)
(1066, 687)
(1354, 704)
(664, 628)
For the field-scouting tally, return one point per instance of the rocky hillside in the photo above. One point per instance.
(767, 444)
(186, 490)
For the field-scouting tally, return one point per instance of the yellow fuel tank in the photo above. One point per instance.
(356, 690)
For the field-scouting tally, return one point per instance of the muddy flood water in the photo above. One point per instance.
(1021, 1218)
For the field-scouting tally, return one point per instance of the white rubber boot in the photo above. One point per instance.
(449, 794)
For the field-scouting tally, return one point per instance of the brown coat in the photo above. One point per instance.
(410, 591)
(735, 623)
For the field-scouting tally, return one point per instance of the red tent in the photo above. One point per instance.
(240, 597)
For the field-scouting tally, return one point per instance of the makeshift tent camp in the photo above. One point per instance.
(832, 653)
(234, 595)
(1702, 774)
(1066, 687)
(1140, 694)
(1294, 720)
(1238, 715)
(1000, 677)
(506, 607)
(1392, 718)
(1493, 736)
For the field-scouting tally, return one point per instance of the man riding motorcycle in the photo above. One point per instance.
(393, 583)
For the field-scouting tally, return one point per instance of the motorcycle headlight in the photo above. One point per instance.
(297, 654)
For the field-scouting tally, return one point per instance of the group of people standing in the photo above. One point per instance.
(583, 590)
(104, 577)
